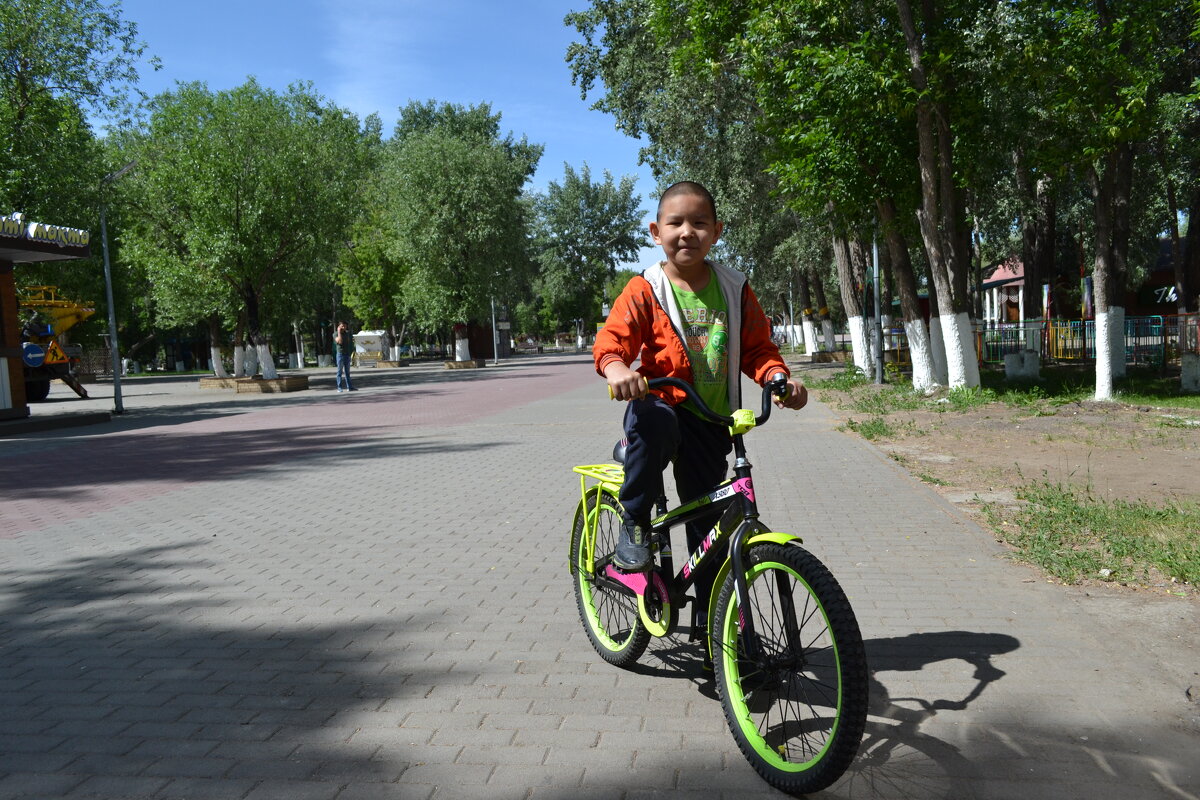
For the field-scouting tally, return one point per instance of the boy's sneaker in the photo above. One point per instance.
(633, 548)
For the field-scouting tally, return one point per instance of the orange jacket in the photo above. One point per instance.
(646, 322)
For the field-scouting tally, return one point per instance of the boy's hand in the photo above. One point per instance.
(624, 383)
(797, 396)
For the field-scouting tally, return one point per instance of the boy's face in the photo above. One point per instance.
(686, 230)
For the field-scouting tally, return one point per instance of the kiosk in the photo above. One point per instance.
(23, 242)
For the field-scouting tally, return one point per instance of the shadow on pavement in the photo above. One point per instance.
(271, 453)
(115, 678)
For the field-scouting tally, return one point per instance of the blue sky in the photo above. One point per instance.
(377, 55)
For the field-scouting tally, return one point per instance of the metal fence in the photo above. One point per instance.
(1149, 341)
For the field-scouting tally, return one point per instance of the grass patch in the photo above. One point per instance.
(1143, 387)
(964, 398)
(1074, 536)
(842, 381)
(872, 429)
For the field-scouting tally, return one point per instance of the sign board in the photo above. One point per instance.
(33, 355)
(55, 354)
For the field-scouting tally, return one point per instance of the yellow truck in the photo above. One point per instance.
(46, 317)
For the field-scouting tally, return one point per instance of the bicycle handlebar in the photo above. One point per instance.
(777, 386)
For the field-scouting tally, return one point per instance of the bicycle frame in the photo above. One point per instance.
(721, 550)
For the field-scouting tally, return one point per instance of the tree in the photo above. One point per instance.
(699, 122)
(827, 86)
(1112, 60)
(240, 197)
(456, 223)
(582, 232)
(58, 59)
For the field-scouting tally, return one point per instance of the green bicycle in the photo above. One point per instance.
(787, 654)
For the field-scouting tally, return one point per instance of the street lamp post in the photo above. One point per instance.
(118, 406)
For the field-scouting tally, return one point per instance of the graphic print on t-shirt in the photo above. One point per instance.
(706, 336)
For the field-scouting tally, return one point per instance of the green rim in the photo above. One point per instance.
(584, 571)
(733, 690)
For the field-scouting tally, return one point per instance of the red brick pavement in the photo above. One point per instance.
(83, 475)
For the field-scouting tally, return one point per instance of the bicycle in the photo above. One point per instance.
(792, 673)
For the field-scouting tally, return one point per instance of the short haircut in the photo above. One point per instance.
(687, 187)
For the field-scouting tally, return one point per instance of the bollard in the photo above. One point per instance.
(1022, 366)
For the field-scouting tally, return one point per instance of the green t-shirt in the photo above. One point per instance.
(706, 337)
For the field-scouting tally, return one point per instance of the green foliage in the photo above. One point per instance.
(685, 117)
(966, 398)
(58, 59)
(240, 198)
(843, 381)
(584, 229)
(1064, 385)
(81, 50)
(455, 221)
(1074, 536)
(872, 429)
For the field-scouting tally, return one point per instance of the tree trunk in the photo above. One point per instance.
(905, 279)
(462, 345)
(131, 354)
(937, 340)
(860, 263)
(851, 302)
(1188, 277)
(818, 289)
(940, 215)
(806, 312)
(1110, 194)
(259, 342)
(214, 346)
(239, 347)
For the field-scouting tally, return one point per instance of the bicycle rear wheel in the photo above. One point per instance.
(798, 708)
(608, 609)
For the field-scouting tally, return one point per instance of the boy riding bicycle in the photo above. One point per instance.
(686, 318)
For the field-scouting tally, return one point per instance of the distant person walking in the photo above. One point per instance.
(343, 344)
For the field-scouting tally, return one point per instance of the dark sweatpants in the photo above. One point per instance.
(659, 433)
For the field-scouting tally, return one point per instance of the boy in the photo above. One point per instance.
(691, 319)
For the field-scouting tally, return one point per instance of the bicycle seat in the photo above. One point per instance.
(619, 451)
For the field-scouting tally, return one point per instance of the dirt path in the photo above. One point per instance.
(983, 455)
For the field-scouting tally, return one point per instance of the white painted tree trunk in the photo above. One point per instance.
(266, 363)
(924, 377)
(1104, 360)
(863, 357)
(250, 361)
(462, 350)
(239, 361)
(1116, 329)
(810, 337)
(827, 334)
(217, 365)
(962, 363)
(937, 352)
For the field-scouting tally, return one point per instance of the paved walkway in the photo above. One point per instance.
(365, 596)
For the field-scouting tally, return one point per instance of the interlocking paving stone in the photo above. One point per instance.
(366, 596)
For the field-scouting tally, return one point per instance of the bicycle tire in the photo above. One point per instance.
(608, 610)
(798, 715)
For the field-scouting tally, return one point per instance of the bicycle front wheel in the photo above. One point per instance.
(608, 609)
(797, 703)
